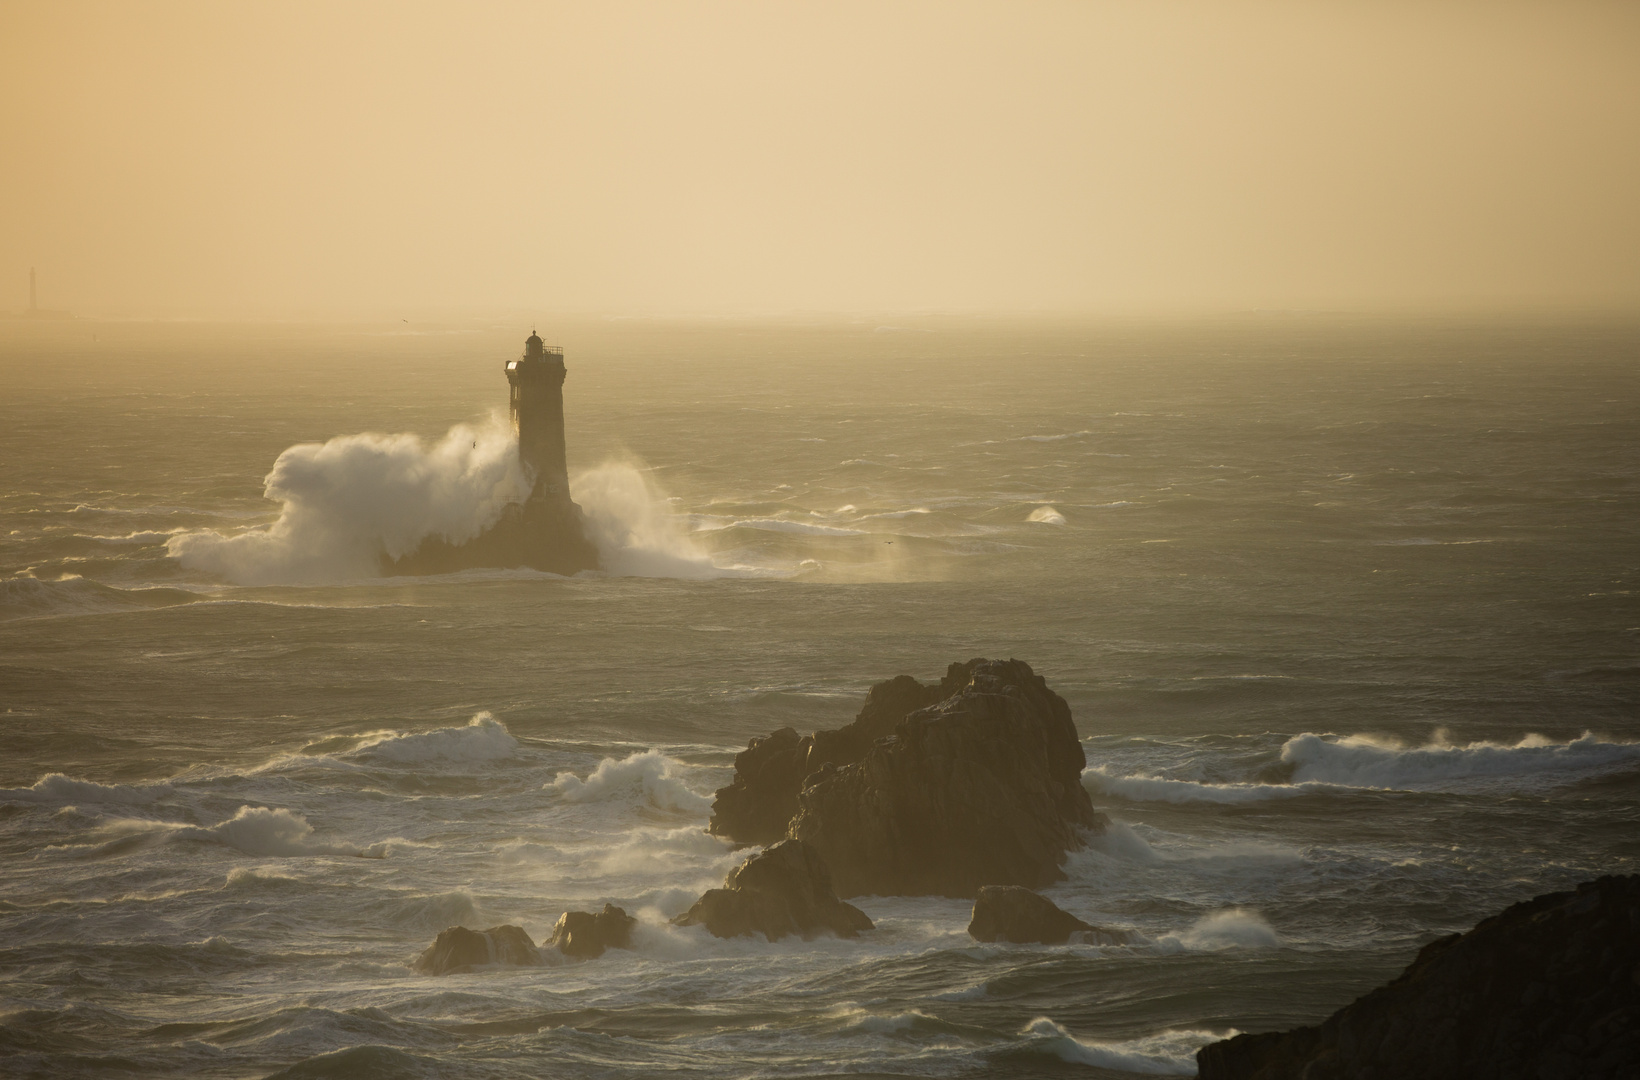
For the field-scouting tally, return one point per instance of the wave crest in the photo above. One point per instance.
(651, 774)
(350, 501)
(1364, 762)
(484, 738)
(54, 789)
(1171, 1053)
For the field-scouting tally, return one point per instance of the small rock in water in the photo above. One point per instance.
(1016, 914)
(783, 890)
(581, 933)
(459, 949)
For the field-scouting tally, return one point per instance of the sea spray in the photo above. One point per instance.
(651, 774)
(355, 499)
(1230, 928)
(631, 521)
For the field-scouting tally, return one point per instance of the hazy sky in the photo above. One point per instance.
(288, 158)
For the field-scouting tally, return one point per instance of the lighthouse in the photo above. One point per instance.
(547, 531)
(537, 408)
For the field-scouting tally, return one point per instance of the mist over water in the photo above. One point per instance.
(1344, 613)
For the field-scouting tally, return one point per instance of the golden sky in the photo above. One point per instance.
(629, 158)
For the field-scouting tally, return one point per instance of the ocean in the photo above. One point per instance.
(1344, 609)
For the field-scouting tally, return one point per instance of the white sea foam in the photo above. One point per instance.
(142, 536)
(1046, 515)
(657, 778)
(687, 851)
(1231, 928)
(349, 501)
(637, 534)
(1170, 1053)
(1100, 781)
(1119, 841)
(1363, 761)
(257, 830)
(484, 738)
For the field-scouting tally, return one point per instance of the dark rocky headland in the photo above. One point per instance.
(1548, 990)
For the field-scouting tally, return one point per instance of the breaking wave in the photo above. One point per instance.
(257, 830)
(651, 774)
(484, 738)
(56, 789)
(1232, 928)
(632, 523)
(1046, 515)
(1317, 764)
(253, 830)
(1362, 761)
(1171, 1053)
(348, 502)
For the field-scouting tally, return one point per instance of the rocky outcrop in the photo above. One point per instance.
(1011, 913)
(1549, 989)
(982, 788)
(459, 949)
(783, 890)
(761, 800)
(583, 934)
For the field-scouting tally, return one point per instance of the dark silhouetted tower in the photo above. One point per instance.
(537, 409)
(547, 531)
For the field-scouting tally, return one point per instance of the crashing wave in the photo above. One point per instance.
(484, 738)
(658, 779)
(1361, 761)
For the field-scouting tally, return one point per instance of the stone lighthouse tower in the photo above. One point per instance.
(553, 534)
(547, 531)
(537, 408)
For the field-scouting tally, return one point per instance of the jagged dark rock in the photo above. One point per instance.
(581, 933)
(1012, 913)
(982, 788)
(761, 800)
(1548, 990)
(783, 890)
(459, 949)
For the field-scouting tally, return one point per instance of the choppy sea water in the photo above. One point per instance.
(1343, 611)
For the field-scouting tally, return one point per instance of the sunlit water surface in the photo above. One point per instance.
(1344, 613)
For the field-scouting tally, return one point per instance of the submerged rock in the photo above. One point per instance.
(581, 933)
(783, 890)
(1012, 913)
(1549, 989)
(459, 949)
(982, 788)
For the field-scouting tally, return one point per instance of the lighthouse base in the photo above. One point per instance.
(541, 534)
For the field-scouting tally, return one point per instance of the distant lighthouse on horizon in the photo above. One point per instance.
(34, 310)
(547, 531)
